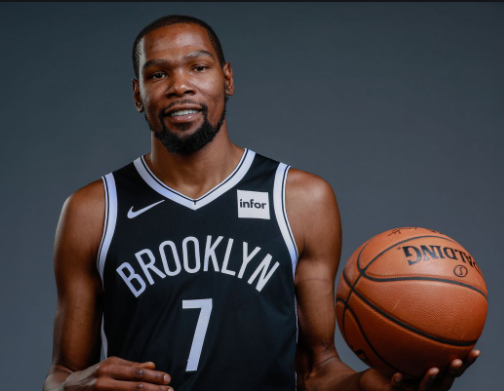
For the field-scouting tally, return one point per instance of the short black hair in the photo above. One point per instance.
(173, 19)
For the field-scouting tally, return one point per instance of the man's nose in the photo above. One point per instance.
(179, 85)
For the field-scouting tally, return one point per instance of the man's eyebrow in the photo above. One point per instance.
(198, 53)
(190, 56)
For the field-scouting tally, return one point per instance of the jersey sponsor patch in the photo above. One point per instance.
(253, 205)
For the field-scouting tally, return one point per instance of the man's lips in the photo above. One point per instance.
(183, 117)
(182, 113)
(178, 108)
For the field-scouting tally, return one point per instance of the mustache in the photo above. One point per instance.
(162, 112)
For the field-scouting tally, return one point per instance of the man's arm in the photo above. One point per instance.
(314, 218)
(76, 343)
(76, 347)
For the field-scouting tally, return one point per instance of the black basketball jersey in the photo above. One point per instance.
(203, 287)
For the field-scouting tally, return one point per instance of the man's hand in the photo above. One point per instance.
(117, 374)
(372, 380)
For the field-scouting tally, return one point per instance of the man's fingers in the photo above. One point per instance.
(148, 364)
(119, 385)
(116, 368)
(398, 383)
(469, 360)
(138, 374)
(433, 379)
(428, 380)
(447, 378)
(121, 361)
(455, 368)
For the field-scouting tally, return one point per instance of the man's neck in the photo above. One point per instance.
(195, 174)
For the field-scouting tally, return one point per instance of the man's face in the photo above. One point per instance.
(182, 88)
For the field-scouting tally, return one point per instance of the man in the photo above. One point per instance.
(194, 266)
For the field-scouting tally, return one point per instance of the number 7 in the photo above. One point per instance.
(201, 328)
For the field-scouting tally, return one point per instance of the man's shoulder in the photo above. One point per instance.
(83, 215)
(302, 184)
(94, 192)
(89, 192)
(304, 187)
(88, 201)
(80, 225)
(311, 206)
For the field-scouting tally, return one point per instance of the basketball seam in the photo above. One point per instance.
(368, 277)
(345, 303)
(347, 307)
(358, 268)
(410, 328)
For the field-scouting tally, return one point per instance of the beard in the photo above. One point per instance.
(194, 142)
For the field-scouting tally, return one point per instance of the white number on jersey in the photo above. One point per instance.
(201, 328)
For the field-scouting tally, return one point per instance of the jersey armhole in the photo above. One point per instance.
(281, 213)
(108, 232)
(283, 223)
(109, 223)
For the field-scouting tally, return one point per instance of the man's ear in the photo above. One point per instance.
(228, 79)
(136, 95)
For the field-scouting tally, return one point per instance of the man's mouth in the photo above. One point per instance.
(180, 113)
(183, 116)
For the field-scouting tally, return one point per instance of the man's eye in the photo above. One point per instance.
(200, 68)
(158, 75)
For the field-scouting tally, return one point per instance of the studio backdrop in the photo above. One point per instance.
(398, 106)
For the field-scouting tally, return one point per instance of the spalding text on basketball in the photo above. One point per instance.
(427, 253)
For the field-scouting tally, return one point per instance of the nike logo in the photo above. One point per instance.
(132, 215)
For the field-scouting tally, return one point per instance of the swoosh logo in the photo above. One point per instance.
(132, 215)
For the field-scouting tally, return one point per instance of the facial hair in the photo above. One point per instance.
(194, 142)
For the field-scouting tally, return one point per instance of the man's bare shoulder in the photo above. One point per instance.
(86, 206)
(81, 222)
(91, 195)
(308, 188)
(311, 206)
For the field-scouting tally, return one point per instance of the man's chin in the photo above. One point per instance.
(181, 128)
(185, 142)
(180, 132)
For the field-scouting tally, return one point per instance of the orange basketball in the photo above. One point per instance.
(410, 299)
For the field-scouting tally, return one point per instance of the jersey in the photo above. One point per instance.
(202, 287)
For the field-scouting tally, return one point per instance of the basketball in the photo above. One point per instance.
(410, 299)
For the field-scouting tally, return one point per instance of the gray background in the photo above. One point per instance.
(398, 106)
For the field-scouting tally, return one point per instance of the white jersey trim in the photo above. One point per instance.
(109, 223)
(297, 338)
(283, 223)
(281, 213)
(232, 180)
(104, 338)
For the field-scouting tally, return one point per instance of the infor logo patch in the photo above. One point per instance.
(253, 205)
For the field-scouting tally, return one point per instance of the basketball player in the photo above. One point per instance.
(201, 265)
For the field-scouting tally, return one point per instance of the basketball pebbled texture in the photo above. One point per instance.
(410, 299)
